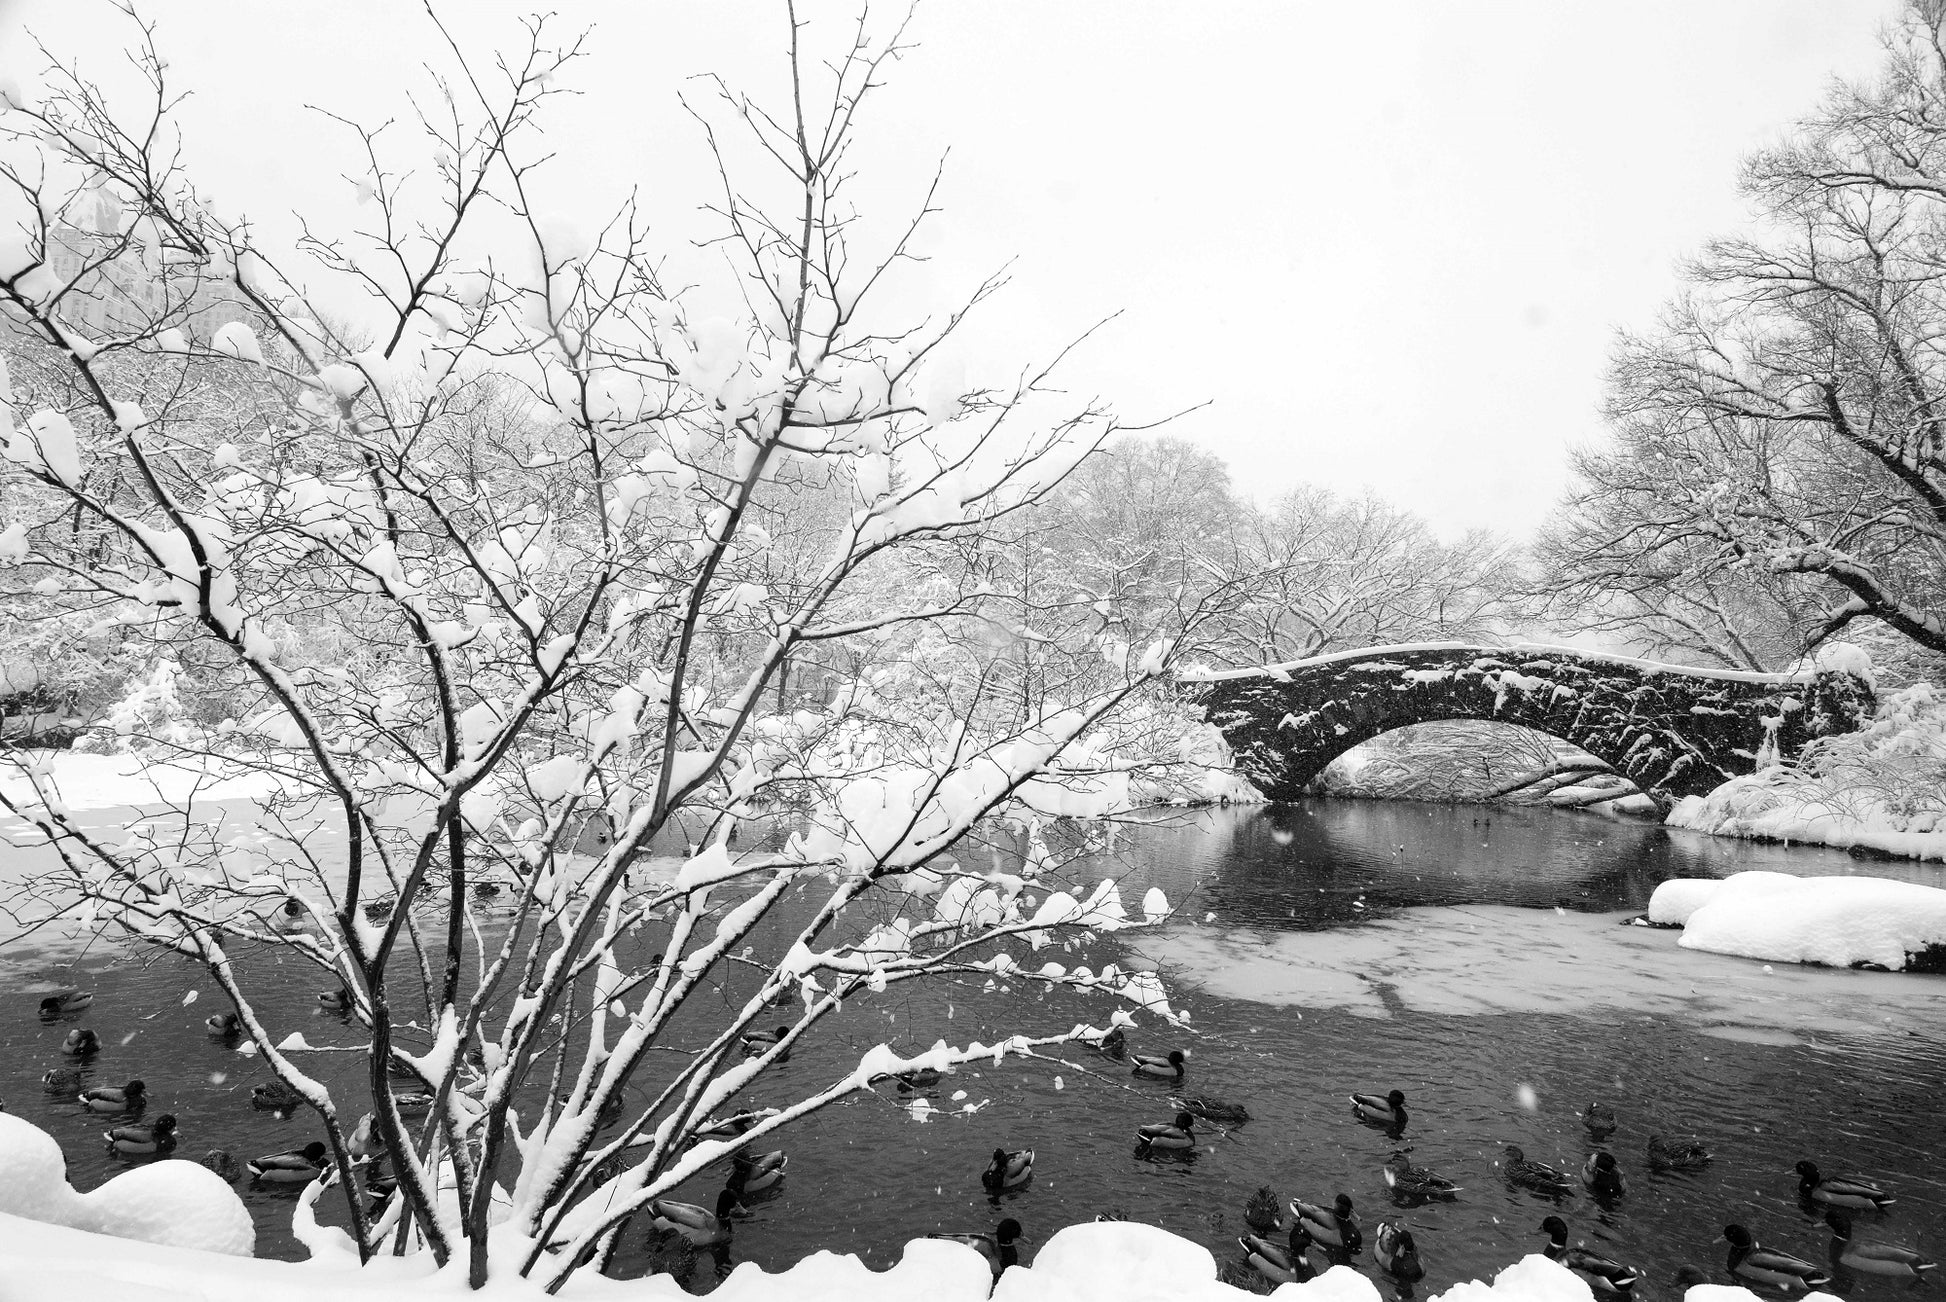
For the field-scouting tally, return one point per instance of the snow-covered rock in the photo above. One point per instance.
(173, 1202)
(1837, 921)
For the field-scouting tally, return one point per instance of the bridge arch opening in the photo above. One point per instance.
(1466, 761)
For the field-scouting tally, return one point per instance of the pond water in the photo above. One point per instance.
(1470, 957)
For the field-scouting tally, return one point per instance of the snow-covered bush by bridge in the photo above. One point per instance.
(1836, 921)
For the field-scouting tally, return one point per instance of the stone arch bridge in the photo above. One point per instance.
(1672, 730)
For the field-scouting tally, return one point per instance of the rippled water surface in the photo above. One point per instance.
(1470, 958)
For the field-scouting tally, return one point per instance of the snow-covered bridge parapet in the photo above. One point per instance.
(1672, 730)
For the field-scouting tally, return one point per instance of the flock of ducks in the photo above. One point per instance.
(1331, 1228)
(1284, 1235)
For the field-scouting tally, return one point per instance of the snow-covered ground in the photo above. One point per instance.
(128, 780)
(1836, 921)
(46, 1260)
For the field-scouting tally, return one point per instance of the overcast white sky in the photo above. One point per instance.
(1389, 243)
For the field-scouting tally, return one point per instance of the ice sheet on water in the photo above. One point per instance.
(1493, 959)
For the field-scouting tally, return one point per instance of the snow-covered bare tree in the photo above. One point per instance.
(1788, 415)
(521, 540)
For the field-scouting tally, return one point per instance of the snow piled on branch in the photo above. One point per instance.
(1882, 788)
(1836, 921)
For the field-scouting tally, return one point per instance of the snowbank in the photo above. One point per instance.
(1836, 921)
(1113, 1261)
(1882, 788)
(171, 1202)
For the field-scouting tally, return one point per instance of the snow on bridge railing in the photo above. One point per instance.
(1528, 650)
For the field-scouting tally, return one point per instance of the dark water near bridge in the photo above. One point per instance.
(1468, 957)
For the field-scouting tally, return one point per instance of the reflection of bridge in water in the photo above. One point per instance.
(1671, 730)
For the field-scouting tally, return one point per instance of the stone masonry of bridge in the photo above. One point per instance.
(1672, 730)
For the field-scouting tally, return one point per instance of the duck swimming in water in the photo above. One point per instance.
(1386, 1110)
(66, 1004)
(758, 1043)
(159, 1136)
(733, 1125)
(1169, 1068)
(275, 1096)
(1113, 1045)
(1396, 1253)
(81, 1043)
(335, 1001)
(223, 1164)
(1839, 1190)
(1677, 1153)
(61, 1080)
(1872, 1258)
(292, 1166)
(764, 1171)
(1603, 1274)
(1008, 1170)
(1599, 1118)
(1288, 1263)
(1751, 1261)
(1535, 1177)
(1215, 1110)
(999, 1247)
(222, 1026)
(699, 1225)
(1165, 1135)
(1333, 1226)
(1263, 1211)
(1408, 1181)
(131, 1097)
(1602, 1176)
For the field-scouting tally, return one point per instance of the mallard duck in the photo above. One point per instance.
(1599, 1118)
(81, 1043)
(292, 1166)
(919, 1078)
(1872, 1258)
(159, 1136)
(1677, 1153)
(1113, 1045)
(733, 1125)
(750, 1175)
(1602, 1274)
(1381, 1109)
(1280, 1264)
(1008, 1170)
(290, 919)
(275, 1096)
(1839, 1190)
(1332, 1226)
(380, 1180)
(1688, 1277)
(1535, 1177)
(1180, 1133)
(1396, 1253)
(412, 1101)
(1169, 1068)
(1749, 1260)
(222, 1026)
(1409, 1181)
(223, 1164)
(364, 1141)
(1264, 1210)
(115, 1098)
(335, 1001)
(757, 1043)
(699, 1225)
(1216, 1110)
(999, 1247)
(1602, 1176)
(65, 1004)
(61, 1080)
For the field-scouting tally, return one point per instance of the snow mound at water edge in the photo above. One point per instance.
(1836, 921)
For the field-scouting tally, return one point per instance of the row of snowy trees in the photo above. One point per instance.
(1777, 469)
